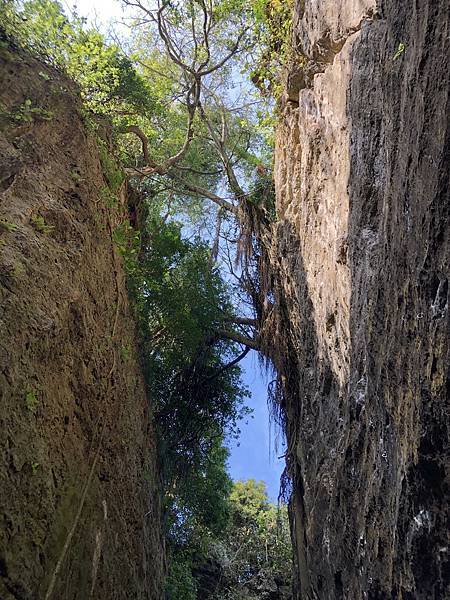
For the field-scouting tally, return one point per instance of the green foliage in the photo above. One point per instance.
(262, 193)
(31, 401)
(108, 197)
(180, 302)
(18, 270)
(125, 353)
(401, 48)
(199, 509)
(39, 223)
(27, 113)
(108, 81)
(127, 242)
(250, 558)
(274, 25)
(257, 545)
(180, 583)
(7, 226)
(76, 177)
(113, 173)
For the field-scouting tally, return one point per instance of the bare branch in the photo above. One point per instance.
(206, 194)
(252, 343)
(194, 36)
(231, 364)
(207, 20)
(144, 140)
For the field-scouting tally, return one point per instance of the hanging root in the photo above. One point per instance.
(259, 263)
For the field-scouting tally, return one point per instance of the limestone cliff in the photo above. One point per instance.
(80, 511)
(360, 260)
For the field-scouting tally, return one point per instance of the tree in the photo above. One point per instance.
(253, 558)
(194, 38)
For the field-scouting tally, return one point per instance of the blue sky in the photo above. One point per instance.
(253, 456)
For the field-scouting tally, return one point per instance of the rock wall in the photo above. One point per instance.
(80, 510)
(361, 266)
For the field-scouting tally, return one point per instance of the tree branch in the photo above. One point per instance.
(144, 140)
(226, 58)
(220, 145)
(192, 99)
(193, 75)
(196, 171)
(252, 343)
(205, 193)
(231, 364)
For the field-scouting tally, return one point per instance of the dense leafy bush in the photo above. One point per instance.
(109, 83)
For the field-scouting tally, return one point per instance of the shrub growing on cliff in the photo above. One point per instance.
(108, 81)
(274, 21)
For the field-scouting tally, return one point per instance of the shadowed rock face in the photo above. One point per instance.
(360, 257)
(80, 511)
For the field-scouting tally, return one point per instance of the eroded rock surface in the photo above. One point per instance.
(360, 257)
(80, 514)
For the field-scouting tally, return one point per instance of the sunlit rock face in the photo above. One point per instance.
(360, 256)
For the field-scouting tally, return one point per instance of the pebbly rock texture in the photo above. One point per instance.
(79, 503)
(360, 259)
